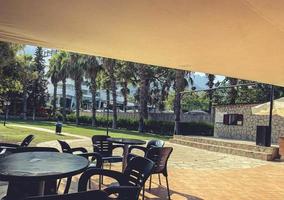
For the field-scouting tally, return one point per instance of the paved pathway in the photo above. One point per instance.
(196, 174)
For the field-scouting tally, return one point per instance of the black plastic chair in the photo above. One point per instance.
(65, 147)
(80, 151)
(6, 148)
(160, 155)
(135, 174)
(105, 148)
(90, 195)
(150, 144)
(27, 141)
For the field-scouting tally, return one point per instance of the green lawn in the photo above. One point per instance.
(16, 134)
(71, 128)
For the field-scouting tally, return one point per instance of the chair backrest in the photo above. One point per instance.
(160, 156)
(101, 145)
(89, 195)
(155, 143)
(27, 141)
(65, 147)
(138, 170)
(35, 149)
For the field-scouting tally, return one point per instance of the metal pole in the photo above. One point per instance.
(107, 117)
(5, 115)
(271, 108)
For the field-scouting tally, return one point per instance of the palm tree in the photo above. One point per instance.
(144, 86)
(76, 72)
(109, 65)
(210, 84)
(125, 75)
(92, 68)
(53, 74)
(180, 84)
(63, 74)
(26, 75)
(233, 92)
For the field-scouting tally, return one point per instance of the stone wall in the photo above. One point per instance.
(247, 131)
(166, 116)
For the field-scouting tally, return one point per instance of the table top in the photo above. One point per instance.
(41, 166)
(126, 141)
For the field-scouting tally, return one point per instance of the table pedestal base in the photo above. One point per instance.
(18, 190)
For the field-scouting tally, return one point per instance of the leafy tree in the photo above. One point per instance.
(27, 75)
(39, 93)
(9, 77)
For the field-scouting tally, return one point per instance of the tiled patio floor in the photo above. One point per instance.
(199, 174)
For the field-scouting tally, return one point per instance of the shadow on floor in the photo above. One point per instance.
(159, 192)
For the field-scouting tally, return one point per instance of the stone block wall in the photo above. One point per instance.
(247, 131)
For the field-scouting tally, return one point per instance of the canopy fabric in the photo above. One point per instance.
(237, 38)
(264, 109)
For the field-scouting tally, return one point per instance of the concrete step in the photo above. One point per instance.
(228, 149)
(245, 145)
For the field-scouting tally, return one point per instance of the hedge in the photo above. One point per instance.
(150, 126)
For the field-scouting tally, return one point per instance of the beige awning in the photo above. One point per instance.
(264, 109)
(238, 38)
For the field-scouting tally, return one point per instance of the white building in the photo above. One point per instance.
(86, 96)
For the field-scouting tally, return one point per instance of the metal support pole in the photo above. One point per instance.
(5, 116)
(107, 118)
(270, 114)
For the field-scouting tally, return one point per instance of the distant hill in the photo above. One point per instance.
(200, 80)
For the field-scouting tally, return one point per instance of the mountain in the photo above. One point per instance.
(200, 80)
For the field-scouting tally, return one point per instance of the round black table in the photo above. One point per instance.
(28, 173)
(126, 142)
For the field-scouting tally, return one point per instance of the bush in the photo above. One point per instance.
(151, 126)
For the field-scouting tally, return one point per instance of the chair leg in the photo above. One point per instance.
(58, 185)
(159, 179)
(143, 192)
(169, 195)
(102, 177)
(150, 182)
(109, 166)
(90, 183)
(68, 183)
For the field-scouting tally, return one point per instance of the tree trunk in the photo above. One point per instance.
(78, 99)
(25, 98)
(108, 102)
(94, 101)
(143, 97)
(64, 99)
(54, 99)
(179, 87)
(110, 66)
(125, 88)
(233, 93)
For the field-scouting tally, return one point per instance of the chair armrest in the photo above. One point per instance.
(96, 148)
(79, 149)
(144, 149)
(94, 156)
(92, 171)
(124, 191)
